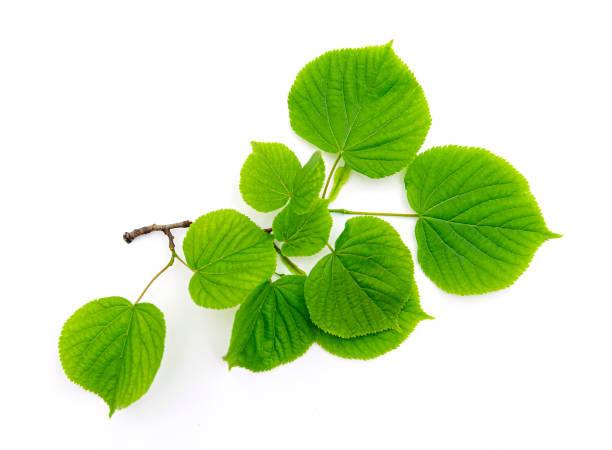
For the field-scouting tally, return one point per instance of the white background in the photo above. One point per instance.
(119, 114)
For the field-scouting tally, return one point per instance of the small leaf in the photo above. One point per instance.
(377, 344)
(230, 256)
(267, 178)
(272, 326)
(113, 348)
(308, 184)
(305, 234)
(361, 287)
(340, 178)
(479, 225)
(364, 103)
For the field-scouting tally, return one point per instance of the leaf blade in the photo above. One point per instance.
(272, 326)
(479, 225)
(230, 255)
(364, 103)
(360, 288)
(305, 234)
(308, 184)
(267, 178)
(113, 348)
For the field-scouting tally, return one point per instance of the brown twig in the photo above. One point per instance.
(130, 236)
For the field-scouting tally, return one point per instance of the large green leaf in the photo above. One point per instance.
(373, 345)
(267, 178)
(308, 184)
(479, 225)
(362, 286)
(303, 234)
(363, 103)
(113, 348)
(272, 326)
(230, 255)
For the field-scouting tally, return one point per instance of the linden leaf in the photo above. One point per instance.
(230, 256)
(479, 225)
(303, 234)
(363, 103)
(272, 326)
(340, 178)
(308, 184)
(113, 348)
(377, 344)
(267, 178)
(362, 286)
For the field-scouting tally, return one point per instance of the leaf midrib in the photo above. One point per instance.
(361, 289)
(425, 218)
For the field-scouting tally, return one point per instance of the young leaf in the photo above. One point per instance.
(362, 286)
(377, 344)
(272, 326)
(308, 184)
(340, 178)
(113, 348)
(267, 178)
(363, 103)
(230, 256)
(479, 225)
(305, 234)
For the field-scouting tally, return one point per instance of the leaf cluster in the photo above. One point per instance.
(477, 228)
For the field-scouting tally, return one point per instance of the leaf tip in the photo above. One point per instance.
(230, 364)
(555, 235)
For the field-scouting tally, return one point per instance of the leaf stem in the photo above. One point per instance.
(287, 262)
(176, 256)
(156, 276)
(331, 173)
(363, 213)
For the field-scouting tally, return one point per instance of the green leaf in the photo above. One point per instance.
(340, 178)
(361, 287)
(230, 256)
(267, 178)
(303, 234)
(272, 326)
(113, 348)
(308, 184)
(377, 344)
(479, 225)
(364, 103)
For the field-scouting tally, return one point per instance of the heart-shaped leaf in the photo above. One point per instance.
(363, 103)
(230, 255)
(479, 225)
(113, 348)
(303, 234)
(362, 286)
(272, 326)
(267, 178)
